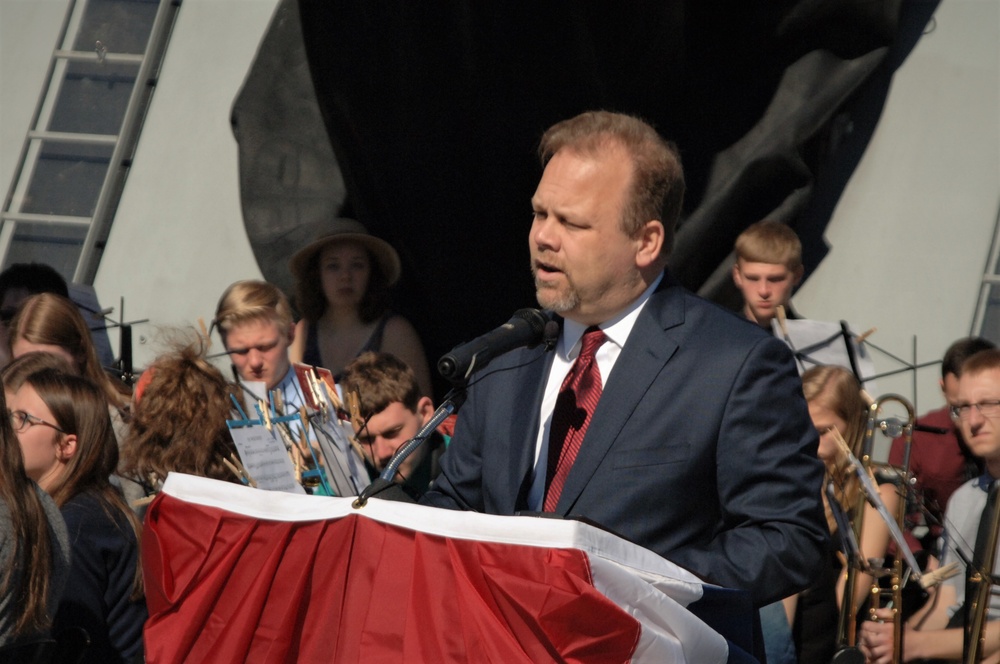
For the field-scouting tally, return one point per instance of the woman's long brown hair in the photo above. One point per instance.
(836, 389)
(56, 321)
(26, 579)
(79, 408)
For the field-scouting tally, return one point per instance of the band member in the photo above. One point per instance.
(840, 414)
(768, 268)
(69, 449)
(932, 633)
(255, 321)
(940, 461)
(392, 412)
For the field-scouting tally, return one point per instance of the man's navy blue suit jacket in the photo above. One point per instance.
(701, 448)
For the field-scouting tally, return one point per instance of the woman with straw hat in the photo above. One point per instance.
(342, 283)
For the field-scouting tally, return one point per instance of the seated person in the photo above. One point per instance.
(53, 324)
(17, 283)
(69, 449)
(931, 633)
(254, 319)
(837, 408)
(179, 415)
(940, 461)
(342, 283)
(768, 268)
(34, 547)
(393, 412)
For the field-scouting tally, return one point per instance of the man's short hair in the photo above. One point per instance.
(252, 300)
(984, 360)
(772, 242)
(657, 190)
(380, 379)
(961, 350)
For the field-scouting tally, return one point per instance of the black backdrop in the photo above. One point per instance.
(433, 111)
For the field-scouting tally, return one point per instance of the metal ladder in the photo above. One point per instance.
(79, 147)
(987, 319)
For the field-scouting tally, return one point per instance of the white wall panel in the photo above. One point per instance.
(910, 235)
(178, 238)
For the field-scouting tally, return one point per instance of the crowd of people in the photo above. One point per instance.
(656, 414)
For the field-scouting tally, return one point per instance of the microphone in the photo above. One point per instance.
(526, 328)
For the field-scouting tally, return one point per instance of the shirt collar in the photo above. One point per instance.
(286, 382)
(616, 329)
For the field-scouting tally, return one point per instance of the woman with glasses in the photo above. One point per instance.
(53, 324)
(69, 449)
(34, 548)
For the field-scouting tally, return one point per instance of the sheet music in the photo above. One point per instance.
(264, 456)
(817, 342)
(252, 391)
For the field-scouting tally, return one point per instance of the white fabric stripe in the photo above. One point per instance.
(670, 633)
(680, 585)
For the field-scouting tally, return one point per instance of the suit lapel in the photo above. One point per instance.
(642, 359)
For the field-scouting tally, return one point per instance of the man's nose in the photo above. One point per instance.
(383, 453)
(543, 234)
(255, 358)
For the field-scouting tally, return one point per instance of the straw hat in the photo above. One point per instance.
(348, 230)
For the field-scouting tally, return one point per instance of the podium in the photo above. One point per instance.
(235, 574)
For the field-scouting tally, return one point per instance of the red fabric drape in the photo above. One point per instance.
(223, 587)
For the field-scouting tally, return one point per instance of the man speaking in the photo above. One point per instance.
(660, 416)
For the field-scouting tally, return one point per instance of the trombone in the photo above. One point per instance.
(979, 582)
(866, 469)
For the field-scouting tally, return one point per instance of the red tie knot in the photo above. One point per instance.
(593, 337)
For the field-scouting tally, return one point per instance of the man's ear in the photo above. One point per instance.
(425, 408)
(650, 243)
(737, 276)
(798, 272)
(67, 447)
(291, 334)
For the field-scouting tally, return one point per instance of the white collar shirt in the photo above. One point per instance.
(617, 331)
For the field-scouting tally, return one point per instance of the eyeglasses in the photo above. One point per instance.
(985, 408)
(21, 420)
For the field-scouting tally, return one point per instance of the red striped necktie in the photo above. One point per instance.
(574, 407)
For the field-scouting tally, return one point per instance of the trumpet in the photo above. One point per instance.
(891, 427)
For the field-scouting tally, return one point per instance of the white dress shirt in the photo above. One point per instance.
(616, 330)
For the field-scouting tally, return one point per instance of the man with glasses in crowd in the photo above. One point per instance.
(936, 632)
(940, 461)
